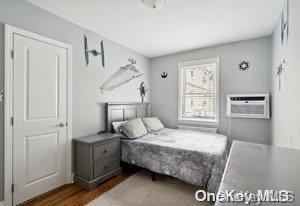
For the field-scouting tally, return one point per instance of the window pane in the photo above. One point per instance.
(200, 79)
(199, 105)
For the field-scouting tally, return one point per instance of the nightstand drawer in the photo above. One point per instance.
(106, 166)
(105, 150)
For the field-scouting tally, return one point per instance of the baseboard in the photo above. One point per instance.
(2, 203)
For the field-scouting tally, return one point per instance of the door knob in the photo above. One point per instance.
(61, 124)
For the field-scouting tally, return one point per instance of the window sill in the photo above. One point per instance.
(198, 122)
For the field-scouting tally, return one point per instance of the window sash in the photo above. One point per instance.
(214, 62)
(185, 108)
(199, 67)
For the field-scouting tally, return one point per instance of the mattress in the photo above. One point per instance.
(195, 157)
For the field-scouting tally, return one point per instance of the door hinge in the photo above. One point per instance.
(13, 188)
(12, 54)
(12, 121)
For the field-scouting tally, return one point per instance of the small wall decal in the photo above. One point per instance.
(143, 91)
(244, 65)
(279, 70)
(164, 75)
(285, 18)
(94, 52)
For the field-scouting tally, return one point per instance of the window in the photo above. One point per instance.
(199, 91)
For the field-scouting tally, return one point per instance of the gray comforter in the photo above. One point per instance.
(195, 157)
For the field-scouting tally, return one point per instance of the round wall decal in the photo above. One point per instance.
(244, 65)
(164, 75)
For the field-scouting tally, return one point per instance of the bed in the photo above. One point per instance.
(195, 157)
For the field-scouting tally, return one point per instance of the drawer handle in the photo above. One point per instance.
(106, 167)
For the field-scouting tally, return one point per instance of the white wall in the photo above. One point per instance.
(256, 80)
(87, 116)
(286, 103)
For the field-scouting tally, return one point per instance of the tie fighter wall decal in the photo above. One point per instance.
(94, 52)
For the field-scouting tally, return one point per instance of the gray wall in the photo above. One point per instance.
(286, 103)
(257, 79)
(87, 116)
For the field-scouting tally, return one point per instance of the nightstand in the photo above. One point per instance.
(96, 159)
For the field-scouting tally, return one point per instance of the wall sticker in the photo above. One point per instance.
(121, 76)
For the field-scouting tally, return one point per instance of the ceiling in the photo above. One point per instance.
(181, 25)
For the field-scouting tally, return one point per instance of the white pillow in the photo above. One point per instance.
(153, 124)
(133, 129)
(115, 126)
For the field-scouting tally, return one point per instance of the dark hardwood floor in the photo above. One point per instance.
(75, 195)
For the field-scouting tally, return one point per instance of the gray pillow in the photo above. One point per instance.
(153, 124)
(115, 126)
(133, 129)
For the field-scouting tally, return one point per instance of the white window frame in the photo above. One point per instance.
(197, 121)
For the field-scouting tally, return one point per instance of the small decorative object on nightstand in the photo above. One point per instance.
(96, 159)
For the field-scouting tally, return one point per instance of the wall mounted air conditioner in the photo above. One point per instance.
(248, 105)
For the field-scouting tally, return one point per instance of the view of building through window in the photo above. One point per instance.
(199, 94)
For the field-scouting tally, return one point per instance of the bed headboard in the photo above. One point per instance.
(126, 111)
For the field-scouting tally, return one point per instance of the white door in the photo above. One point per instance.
(40, 115)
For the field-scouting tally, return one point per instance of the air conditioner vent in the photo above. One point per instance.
(248, 109)
(258, 98)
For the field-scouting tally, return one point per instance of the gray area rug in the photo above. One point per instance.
(140, 190)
